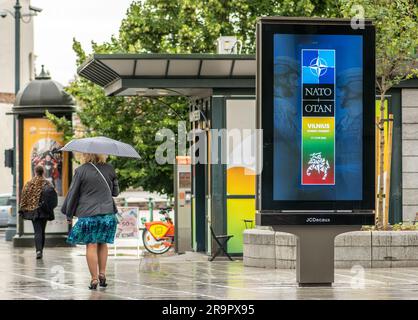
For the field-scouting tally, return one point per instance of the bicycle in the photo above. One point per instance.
(158, 236)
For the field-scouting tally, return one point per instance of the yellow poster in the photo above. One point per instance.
(41, 143)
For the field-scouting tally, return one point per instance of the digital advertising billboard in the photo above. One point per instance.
(315, 103)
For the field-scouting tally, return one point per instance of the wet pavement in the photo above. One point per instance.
(63, 274)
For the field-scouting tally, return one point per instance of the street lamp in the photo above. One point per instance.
(17, 15)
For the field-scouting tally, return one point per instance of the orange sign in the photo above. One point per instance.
(183, 160)
(41, 141)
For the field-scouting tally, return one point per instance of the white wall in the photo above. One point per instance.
(410, 153)
(7, 78)
(6, 142)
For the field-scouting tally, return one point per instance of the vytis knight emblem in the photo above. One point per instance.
(318, 164)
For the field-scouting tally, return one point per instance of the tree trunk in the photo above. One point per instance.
(381, 194)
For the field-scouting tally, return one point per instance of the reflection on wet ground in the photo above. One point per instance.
(63, 274)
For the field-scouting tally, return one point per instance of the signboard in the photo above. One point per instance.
(194, 115)
(41, 142)
(318, 117)
(185, 180)
(182, 204)
(127, 227)
(315, 81)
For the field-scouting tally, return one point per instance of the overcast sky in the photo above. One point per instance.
(60, 21)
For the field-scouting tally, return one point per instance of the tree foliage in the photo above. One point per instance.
(192, 26)
(396, 24)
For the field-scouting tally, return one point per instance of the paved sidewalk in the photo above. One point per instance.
(63, 274)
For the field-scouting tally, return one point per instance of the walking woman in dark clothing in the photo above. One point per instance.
(37, 204)
(90, 199)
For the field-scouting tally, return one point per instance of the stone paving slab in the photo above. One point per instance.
(63, 274)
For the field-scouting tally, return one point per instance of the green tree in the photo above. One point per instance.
(396, 24)
(192, 26)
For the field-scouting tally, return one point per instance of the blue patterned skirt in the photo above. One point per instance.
(95, 229)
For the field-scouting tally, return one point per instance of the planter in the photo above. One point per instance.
(370, 249)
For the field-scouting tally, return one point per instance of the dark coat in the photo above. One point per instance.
(88, 194)
(47, 203)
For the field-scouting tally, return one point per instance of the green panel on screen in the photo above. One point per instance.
(238, 210)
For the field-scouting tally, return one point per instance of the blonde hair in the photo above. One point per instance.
(91, 157)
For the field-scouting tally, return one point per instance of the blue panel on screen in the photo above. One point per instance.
(308, 56)
(327, 77)
(328, 56)
(308, 76)
(321, 60)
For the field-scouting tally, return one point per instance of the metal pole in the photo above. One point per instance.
(11, 225)
(151, 209)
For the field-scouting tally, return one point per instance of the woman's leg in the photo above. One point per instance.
(102, 253)
(92, 260)
(44, 222)
(37, 228)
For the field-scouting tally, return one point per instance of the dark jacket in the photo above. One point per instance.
(88, 195)
(47, 203)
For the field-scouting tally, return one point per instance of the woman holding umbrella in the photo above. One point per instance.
(90, 199)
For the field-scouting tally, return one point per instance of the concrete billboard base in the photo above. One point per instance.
(368, 249)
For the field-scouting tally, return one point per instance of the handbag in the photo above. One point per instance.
(118, 217)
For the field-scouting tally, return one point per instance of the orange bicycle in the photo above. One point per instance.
(158, 236)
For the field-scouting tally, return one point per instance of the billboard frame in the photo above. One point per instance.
(279, 212)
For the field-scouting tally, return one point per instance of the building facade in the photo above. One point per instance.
(409, 103)
(7, 76)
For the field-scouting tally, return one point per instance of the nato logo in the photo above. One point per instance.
(318, 66)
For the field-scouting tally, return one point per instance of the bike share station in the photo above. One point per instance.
(318, 177)
(182, 204)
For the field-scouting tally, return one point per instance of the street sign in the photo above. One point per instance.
(8, 158)
(194, 115)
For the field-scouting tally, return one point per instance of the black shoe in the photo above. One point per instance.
(102, 280)
(93, 284)
(38, 254)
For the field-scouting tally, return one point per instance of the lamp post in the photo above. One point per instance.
(11, 224)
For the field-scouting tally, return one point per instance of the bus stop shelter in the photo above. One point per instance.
(222, 89)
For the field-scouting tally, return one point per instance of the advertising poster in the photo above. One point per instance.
(241, 170)
(318, 117)
(41, 143)
(128, 223)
